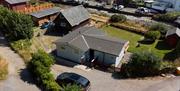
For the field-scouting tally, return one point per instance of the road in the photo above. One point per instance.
(18, 78)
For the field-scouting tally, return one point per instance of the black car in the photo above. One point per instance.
(73, 78)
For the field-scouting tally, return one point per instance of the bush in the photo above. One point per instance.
(153, 35)
(21, 44)
(71, 87)
(142, 64)
(118, 18)
(158, 27)
(168, 17)
(22, 47)
(39, 66)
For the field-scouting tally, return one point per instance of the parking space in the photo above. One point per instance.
(104, 81)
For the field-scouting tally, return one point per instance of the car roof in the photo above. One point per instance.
(75, 77)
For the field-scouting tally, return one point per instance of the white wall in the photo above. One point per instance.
(69, 52)
(119, 58)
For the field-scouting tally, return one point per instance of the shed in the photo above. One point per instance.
(46, 15)
(173, 36)
(16, 4)
(72, 18)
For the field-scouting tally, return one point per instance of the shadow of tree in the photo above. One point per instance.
(162, 45)
(26, 76)
(171, 55)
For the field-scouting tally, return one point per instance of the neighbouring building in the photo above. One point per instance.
(166, 5)
(173, 37)
(71, 19)
(15, 4)
(46, 15)
(88, 44)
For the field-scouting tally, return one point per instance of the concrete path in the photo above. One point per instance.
(18, 78)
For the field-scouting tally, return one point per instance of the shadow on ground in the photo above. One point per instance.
(26, 76)
(162, 45)
(171, 55)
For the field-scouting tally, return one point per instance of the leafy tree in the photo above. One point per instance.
(118, 18)
(16, 26)
(153, 35)
(143, 64)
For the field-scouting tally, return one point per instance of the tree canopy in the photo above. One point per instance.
(16, 26)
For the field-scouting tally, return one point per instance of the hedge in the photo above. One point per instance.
(167, 17)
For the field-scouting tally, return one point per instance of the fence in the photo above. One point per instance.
(30, 9)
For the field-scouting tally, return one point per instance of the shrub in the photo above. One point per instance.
(167, 17)
(3, 68)
(118, 18)
(39, 66)
(21, 44)
(22, 47)
(71, 87)
(142, 64)
(158, 27)
(153, 35)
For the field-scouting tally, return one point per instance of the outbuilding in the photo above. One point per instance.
(46, 15)
(173, 37)
(15, 4)
(71, 19)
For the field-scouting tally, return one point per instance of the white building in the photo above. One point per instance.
(88, 44)
(166, 5)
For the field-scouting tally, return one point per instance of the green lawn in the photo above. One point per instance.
(158, 47)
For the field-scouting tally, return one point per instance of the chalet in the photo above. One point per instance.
(71, 19)
(88, 44)
(172, 37)
(16, 4)
(46, 15)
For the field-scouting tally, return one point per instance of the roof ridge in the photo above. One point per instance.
(85, 41)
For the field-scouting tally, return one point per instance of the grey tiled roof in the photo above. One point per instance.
(16, 1)
(173, 31)
(92, 38)
(45, 12)
(76, 15)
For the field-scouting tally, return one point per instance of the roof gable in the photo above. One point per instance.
(173, 31)
(76, 15)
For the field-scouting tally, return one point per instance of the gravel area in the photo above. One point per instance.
(104, 81)
(18, 78)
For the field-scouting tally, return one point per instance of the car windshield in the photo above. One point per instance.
(80, 80)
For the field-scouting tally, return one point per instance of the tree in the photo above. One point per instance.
(118, 18)
(16, 26)
(143, 64)
(153, 35)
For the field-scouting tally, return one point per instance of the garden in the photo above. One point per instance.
(158, 47)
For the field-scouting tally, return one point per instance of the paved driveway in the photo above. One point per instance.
(18, 78)
(103, 81)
